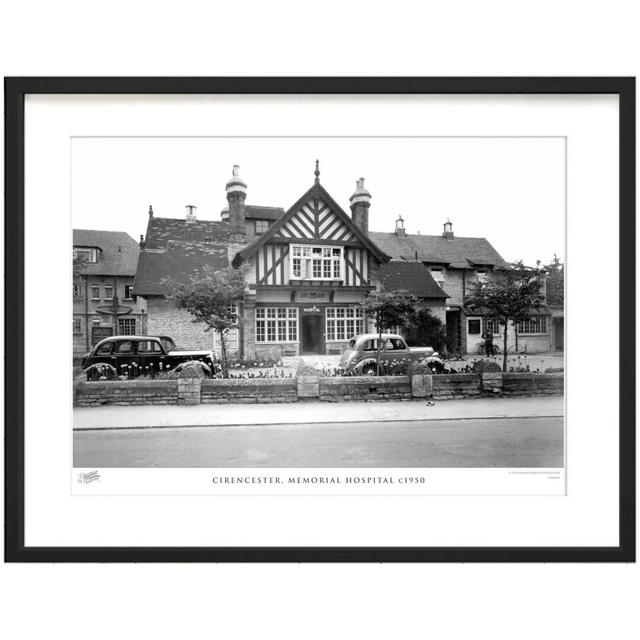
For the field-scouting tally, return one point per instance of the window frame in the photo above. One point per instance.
(129, 321)
(534, 319)
(261, 223)
(94, 288)
(77, 322)
(262, 316)
(307, 272)
(108, 287)
(336, 318)
(92, 251)
(130, 288)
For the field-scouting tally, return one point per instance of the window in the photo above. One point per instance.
(261, 227)
(438, 276)
(276, 324)
(108, 292)
(104, 349)
(370, 345)
(128, 289)
(395, 344)
(230, 340)
(77, 290)
(149, 346)
(473, 326)
(126, 326)
(96, 322)
(535, 325)
(126, 346)
(343, 323)
(95, 292)
(310, 262)
(492, 326)
(77, 325)
(482, 277)
(85, 254)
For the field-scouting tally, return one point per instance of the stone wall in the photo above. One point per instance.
(365, 388)
(249, 391)
(165, 319)
(451, 386)
(314, 388)
(125, 392)
(532, 384)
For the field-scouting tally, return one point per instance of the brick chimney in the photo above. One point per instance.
(236, 195)
(191, 213)
(400, 230)
(447, 230)
(360, 203)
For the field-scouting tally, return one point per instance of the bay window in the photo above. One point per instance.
(310, 262)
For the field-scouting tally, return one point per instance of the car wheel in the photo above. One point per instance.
(100, 371)
(369, 369)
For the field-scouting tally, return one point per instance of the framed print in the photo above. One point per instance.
(320, 319)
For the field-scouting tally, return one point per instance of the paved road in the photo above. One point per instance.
(488, 442)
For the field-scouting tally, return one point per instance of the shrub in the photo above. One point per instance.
(554, 370)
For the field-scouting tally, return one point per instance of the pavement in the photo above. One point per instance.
(297, 413)
(508, 443)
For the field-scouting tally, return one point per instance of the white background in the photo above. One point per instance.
(490, 38)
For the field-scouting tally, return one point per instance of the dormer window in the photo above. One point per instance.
(85, 254)
(310, 262)
(262, 226)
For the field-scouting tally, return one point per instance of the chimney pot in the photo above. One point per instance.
(191, 213)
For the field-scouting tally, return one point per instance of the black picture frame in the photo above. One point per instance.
(15, 91)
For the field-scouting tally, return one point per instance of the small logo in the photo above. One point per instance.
(90, 476)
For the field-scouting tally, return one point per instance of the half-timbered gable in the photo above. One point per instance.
(308, 275)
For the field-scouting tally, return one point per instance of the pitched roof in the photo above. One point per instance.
(457, 252)
(177, 250)
(118, 252)
(412, 276)
(316, 191)
(161, 230)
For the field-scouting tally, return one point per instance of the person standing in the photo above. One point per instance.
(488, 343)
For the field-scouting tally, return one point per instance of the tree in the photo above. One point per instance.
(79, 264)
(388, 309)
(555, 281)
(511, 295)
(422, 329)
(212, 298)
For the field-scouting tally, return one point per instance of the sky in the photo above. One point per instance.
(509, 190)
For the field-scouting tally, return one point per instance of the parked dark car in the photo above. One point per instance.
(132, 356)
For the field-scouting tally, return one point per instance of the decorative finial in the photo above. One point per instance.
(150, 211)
(317, 171)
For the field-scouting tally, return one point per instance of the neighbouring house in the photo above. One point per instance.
(105, 265)
(307, 270)
(457, 264)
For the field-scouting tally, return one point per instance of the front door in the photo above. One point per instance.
(311, 334)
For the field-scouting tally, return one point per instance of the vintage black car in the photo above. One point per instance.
(133, 356)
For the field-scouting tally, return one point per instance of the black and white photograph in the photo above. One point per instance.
(362, 318)
(319, 302)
